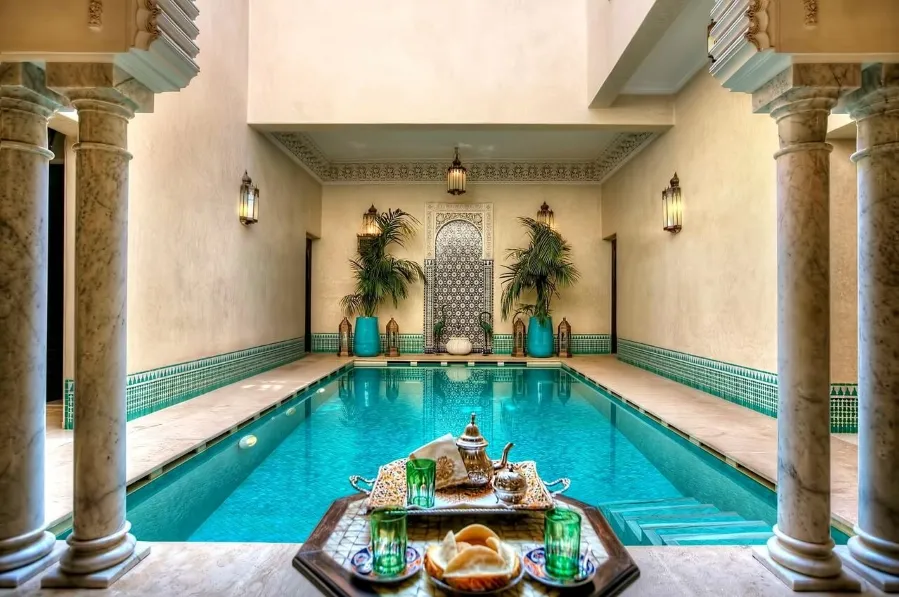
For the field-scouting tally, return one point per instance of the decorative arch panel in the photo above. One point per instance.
(459, 271)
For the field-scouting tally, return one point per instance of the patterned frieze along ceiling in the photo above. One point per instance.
(302, 147)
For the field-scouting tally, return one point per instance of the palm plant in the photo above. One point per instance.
(543, 268)
(379, 275)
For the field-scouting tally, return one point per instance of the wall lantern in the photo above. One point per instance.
(673, 209)
(564, 338)
(393, 338)
(456, 176)
(249, 201)
(546, 216)
(519, 335)
(370, 229)
(344, 333)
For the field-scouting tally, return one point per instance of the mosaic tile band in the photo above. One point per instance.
(502, 343)
(741, 385)
(149, 391)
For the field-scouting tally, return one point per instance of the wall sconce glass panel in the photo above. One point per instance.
(673, 209)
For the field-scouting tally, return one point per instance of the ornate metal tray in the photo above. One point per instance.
(389, 491)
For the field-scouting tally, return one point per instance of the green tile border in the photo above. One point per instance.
(502, 343)
(149, 391)
(747, 387)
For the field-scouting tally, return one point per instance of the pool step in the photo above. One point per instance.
(684, 521)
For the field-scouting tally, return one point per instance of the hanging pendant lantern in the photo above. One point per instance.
(456, 176)
(546, 216)
(393, 338)
(519, 335)
(672, 202)
(344, 333)
(564, 339)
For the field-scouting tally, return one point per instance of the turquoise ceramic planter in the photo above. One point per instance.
(540, 338)
(366, 339)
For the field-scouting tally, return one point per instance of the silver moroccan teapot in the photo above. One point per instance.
(509, 485)
(473, 449)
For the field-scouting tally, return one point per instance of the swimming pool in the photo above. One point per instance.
(653, 486)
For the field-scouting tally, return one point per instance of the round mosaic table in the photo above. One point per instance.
(344, 530)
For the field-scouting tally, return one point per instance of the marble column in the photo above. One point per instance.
(800, 100)
(874, 552)
(26, 548)
(100, 548)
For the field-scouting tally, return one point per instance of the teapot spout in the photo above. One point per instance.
(502, 463)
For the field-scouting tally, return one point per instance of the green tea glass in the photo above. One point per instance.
(421, 482)
(388, 541)
(562, 542)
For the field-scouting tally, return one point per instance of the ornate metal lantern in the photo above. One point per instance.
(564, 339)
(344, 333)
(519, 335)
(673, 206)
(393, 338)
(249, 201)
(456, 176)
(369, 230)
(546, 216)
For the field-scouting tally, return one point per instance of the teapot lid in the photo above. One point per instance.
(471, 437)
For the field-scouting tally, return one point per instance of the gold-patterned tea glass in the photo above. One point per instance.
(421, 482)
(388, 541)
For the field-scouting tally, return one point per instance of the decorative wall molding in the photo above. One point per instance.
(811, 13)
(164, 51)
(303, 149)
(742, 52)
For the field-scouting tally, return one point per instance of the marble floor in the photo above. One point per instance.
(265, 570)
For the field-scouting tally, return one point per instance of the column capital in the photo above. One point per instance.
(877, 94)
(806, 87)
(24, 85)
(103, 82)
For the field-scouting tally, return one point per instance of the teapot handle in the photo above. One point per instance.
(565, 482)
(356, 479)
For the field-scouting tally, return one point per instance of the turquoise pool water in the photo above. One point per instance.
(653, 486)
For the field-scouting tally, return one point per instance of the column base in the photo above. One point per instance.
(845, 582)
(16, 578)
(881, 580)
(57, 579)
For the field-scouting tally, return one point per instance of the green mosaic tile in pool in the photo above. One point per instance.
(744, 386)
(149, 391)
(502, 343)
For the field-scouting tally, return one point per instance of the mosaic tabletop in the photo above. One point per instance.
(325, 558)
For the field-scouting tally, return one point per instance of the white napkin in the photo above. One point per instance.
(450, 467)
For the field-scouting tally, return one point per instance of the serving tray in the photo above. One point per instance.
(388, 490)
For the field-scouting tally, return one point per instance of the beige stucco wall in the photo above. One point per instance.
(577, 212)
(468, 62)
(711, 289)
(200, 283)
(843, 264)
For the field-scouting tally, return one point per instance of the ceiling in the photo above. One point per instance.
(400, 145)
(677, 56)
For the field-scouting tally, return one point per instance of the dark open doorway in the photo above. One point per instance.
(308, 320)
(56, 256)
(614, 293)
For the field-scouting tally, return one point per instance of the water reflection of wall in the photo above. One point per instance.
(451, 394)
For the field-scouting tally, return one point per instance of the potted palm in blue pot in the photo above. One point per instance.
(538, 270)
(380, 277)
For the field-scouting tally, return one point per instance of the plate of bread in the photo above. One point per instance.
(473, 561)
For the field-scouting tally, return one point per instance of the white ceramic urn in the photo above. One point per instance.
(458, 345)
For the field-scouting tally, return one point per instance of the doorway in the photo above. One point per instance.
(56, 254)
(308, 320)
(614, 325)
